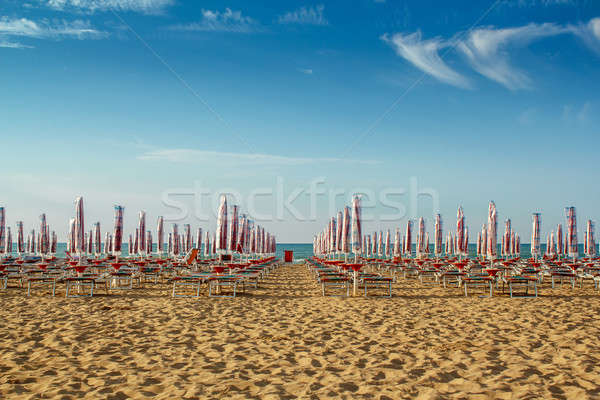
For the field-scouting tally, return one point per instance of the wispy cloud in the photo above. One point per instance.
(578, 115)
(221, 21)
(13, 45)
(24, 27)
(589, 33)
(305, 15)
(306, 71)
(202, 156)
(488, 51)
(424, 54)
(140, 6)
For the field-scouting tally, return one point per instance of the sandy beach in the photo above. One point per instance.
(286, 341)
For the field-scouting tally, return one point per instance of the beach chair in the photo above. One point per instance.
(527, 282)
(193, 282)
(335, 281)
(478, 281)
(216, 284)
(80, 283)
(378, 282)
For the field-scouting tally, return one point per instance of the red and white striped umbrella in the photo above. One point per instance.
(380, 244)
(388, 248)
(369, 245)
(142, 232)
(426, 244)
(207, 244)
(408, 239)
(572, 243)
(187, 238)
(332, 235)
(590, 241)
(107, 243)
(199, 239)
(535, 235)
(484, 233)
(130, 249)
(560, 244)
(421, 237)
(460, 231)
(233, 230)
(8, 247)
(518, 245)
(43, 243)
(437, 247)
(339, 227)
(507, 233)
(346, 231)
(221, 243)
(136, 241)
(79, 226)
(117, 245)
(466, 243)
(513, 250)
(478, 244)
(20, 238)
(356, 226)
(175, 239)
(2, 229)
(148, 242)
(97, 238)
(262, 240)
(90, 242)
(160, 236)
(54, 243)
(492, 233)
(397, 251)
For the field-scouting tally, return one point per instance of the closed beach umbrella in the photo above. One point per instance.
(148, 242)
(478, 244)
(207, 244)
(20, 238)
(535, 235)
(388, 249)
(2, 229)
(136, 241)
(590, 247)
(397, 243)
(90, 242)
(160, 236)
(460, 231)
(97, 238)
(79, 226)
(107, 243)
(175, 240)
(560, 247)
(117, 245)
(170, 244)
(199, 240)
(356, 226)
(187, 238)
(408, 238)
(142, 232)
(8, 247)
(221, 243)
(572, 243)
(492, 231)
(421, 237)
(54, 243)
(380, 244)
(43, 242)
(507, 232)
(233, 230)
(339, 227)
(437, 246)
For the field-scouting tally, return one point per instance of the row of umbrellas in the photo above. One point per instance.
(235, 234)
(338, 239)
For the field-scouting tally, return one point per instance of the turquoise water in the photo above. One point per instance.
(304, 250)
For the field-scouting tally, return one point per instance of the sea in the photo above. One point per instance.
(302, 251)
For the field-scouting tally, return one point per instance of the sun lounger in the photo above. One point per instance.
(526, 282)
(378, 282)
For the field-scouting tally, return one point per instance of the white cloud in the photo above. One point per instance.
(202, 156)
(305, 16)
(13, 45)
(579, 116)
(487, 50)
(423, 54)
(589, 33)
(141, 6)
(306, 71)
(216, 21)
(41, 30)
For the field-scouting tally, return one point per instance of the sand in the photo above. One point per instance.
(285, 341)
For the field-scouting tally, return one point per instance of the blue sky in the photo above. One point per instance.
(122, 101)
